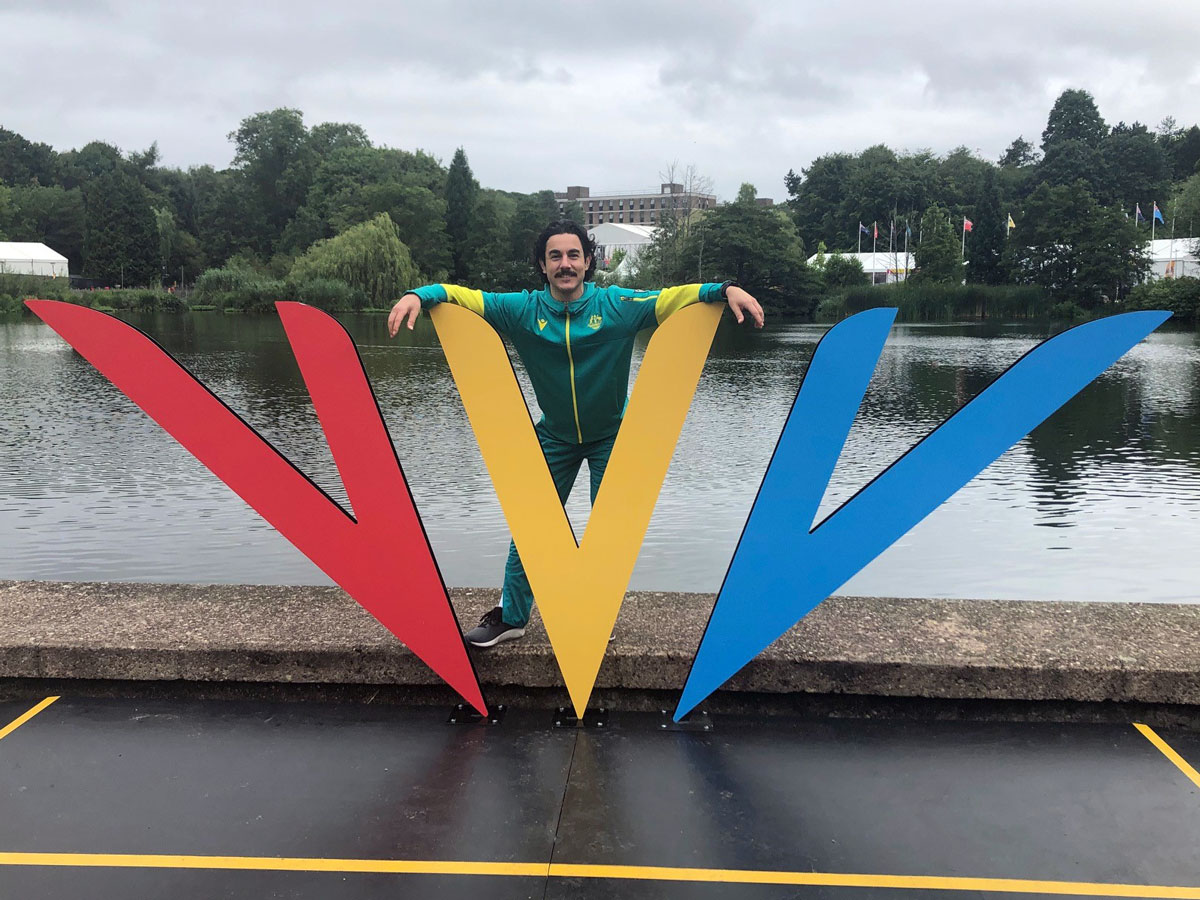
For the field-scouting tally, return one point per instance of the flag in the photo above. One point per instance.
(1011, 223)
(907, 231)
(1158, 213)
(967, 224)
(863, 228)
(1137, 214)
(876, 227)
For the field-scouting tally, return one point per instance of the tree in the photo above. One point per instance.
(6, 211)
(938, 256)
(817, 197)
(354, 184)
(273, 162)
(845, 271)
(573, 212)
(531, 214)
(51, 216)
(23, 162)
(985, 247)
(963, 176)
(487, 248)
(168, 233)
(1019, 153)
(323, 139)
(462, 192)
(759, 248)
(78, 167)
(1068, 161)
(1074, 117)
(220, 214)
(669, 257)
(1138, 168)
(370, 257)
(1185, 153)
(121, 242)
(1081, 251)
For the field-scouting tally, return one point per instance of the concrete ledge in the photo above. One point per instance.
(863, 647)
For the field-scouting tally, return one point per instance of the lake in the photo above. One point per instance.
(1101, 502)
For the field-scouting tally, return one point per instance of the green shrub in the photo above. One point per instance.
(227, 281)
(931, 302)
(845, 271)
(1181, 296)
(9, 304)
(329, 294)
(135, 299)
(1067, 311)
(38, 287)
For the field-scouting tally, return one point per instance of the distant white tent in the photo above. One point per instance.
(612, 236)
(882, 267)
(17, 258)
(1173, 258)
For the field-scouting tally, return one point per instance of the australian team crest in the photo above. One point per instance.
(595, 321)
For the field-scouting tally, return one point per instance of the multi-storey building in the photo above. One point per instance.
(633, 207)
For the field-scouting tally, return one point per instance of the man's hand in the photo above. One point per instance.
(409, 307)
(743, 305)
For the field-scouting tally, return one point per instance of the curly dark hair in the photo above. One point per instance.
(564, 226)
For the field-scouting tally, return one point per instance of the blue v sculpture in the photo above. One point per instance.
(783, 567)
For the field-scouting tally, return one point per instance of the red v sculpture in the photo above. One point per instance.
(380, 555)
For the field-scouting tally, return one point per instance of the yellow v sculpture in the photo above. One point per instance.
(578, 586)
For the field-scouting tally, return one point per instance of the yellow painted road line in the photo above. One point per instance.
(916, 882)
(1169, 752)
(21, 720)
(276, 864)
(566, 870)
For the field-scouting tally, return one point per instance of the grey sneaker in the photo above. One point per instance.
(492, 629)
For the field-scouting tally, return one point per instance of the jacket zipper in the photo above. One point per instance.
(571, 364)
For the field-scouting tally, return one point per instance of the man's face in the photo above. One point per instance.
(564, 263)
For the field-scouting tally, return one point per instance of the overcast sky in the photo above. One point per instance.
(542, 95)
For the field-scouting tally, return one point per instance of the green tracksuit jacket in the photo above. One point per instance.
(577, 354)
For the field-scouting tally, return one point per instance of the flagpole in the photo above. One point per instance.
(1174, 213)
(892, 243)
(874, 241)
(963, 253)
(1153, 219)
(905, 252)
(859, 239)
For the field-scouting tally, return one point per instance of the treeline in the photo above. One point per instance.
(324, 214)
(1074, 204)
(123, 219)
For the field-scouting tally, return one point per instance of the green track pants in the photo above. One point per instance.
(564, 460)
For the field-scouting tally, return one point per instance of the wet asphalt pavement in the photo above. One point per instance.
(129, 799)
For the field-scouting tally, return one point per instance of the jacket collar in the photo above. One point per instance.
(560, 309)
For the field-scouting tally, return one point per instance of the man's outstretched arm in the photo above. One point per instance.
(743, 304)
(493, 307)
(672, 299)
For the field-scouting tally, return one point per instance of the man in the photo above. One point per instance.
(576, 341)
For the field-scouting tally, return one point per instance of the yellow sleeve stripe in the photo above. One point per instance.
(672, 299)
(640, 297)
(471, 299)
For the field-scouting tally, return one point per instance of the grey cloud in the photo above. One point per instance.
(539, 93)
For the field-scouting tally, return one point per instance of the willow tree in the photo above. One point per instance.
(369, 256)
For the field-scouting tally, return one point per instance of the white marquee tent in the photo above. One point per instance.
(884, 267)
(1173, 258)
(31, 259)
(611, 237)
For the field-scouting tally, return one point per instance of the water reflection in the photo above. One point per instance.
(1100, 502)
